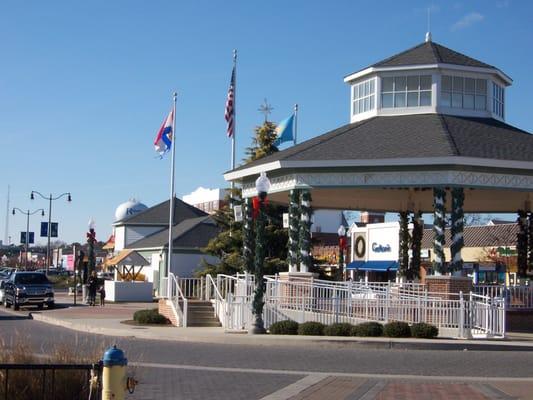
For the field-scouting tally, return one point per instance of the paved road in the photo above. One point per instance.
(185, 370)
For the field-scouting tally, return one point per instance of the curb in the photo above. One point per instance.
(282, 340)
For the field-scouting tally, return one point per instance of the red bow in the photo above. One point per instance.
(342, 242)
(256, 205)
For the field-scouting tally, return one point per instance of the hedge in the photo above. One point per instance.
(149, 317)
(373, 329)
(311, 329)
(424, 331)
(397, 329)
(286, 327)
(338, 329)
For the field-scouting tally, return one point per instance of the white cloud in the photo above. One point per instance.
(467, 20)
(503, 3)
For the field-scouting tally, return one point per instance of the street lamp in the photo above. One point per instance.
(27, 213)
(342, 245)
(50, 198)
(91, 240)
(262, 185)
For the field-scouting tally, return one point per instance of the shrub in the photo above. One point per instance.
(286, 327)
(397, 329)
(311, 329)
(149, 317)
(424, 331)
(339, 329)
(372, 329)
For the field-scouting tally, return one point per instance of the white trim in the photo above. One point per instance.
(232, 175)
(493, 71)
(384, 162)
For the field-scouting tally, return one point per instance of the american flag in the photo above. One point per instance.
(230, 110)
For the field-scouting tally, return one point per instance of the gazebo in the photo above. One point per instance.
(427, 134)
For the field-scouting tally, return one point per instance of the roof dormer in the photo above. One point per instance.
(428, 78)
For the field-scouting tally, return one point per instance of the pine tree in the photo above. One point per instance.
(262, 142)
(228, 248)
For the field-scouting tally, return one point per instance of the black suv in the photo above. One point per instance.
(28, 288)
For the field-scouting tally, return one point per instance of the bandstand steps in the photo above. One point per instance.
(201, 313)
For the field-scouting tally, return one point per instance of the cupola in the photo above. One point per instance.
(428, 78)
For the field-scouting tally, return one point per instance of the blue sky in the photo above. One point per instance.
(84, 86)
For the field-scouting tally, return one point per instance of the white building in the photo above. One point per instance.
(208, 200)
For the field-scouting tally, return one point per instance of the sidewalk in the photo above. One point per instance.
(108, 321)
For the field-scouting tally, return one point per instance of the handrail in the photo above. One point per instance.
(175, 299)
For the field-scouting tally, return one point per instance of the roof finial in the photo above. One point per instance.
(428, 33)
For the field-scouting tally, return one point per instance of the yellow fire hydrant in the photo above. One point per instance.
(114, 381)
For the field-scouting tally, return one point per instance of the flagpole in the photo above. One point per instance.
(234, 118)
(171, 206)
(295, 122)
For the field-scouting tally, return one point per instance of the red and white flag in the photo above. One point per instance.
(230, 109)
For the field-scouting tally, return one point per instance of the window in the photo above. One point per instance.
(364, 96)
(459, 92)
(497, 99)
(406, 91)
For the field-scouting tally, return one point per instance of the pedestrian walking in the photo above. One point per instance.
(102, 295)
(93, 285)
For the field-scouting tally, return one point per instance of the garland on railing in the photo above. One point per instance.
(260, 252)
(439, 225)
(403, 253)
(305, 231)
(294, 227)
(521, 243)
(416, 246)
(530, 242)
(248, 237)
(458, 198)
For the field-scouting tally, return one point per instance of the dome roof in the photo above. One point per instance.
(128, 208)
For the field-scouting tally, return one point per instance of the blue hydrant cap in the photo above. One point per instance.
(114, 357)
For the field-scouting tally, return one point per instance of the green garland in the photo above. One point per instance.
(260, 252)
(248, 237)
(458, 198)
(521, 244)
(293, 255)
(306, 260)
(416, 246)
(403, 256)
(439, 201)
(530, 242)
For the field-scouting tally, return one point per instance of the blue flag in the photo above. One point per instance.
(285, 131)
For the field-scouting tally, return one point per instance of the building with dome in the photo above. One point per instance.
(427, 134)
(145, 230)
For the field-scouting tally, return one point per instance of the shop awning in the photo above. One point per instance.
(377, 266)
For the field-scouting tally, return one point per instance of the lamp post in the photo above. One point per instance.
(27, 213)
(262, 184)
(91, 240)
(342, 245)
(50, 198)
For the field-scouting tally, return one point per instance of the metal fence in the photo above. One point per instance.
(44, 382)
(516, 297)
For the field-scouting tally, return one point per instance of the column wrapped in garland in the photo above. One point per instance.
(248, 237)
(458, 198)
(416, 246)
(521, 243)
(305, 231)
(530, 242)
(439, 225)
(403, 253)
(294, 227)
(260, 252)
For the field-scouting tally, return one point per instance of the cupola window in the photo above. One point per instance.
(364, 96)
(459, 92)
(497, 99)
(406, 91)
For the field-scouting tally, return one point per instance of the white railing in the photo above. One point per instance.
(213, 293)
(516, 297)
(177, 299)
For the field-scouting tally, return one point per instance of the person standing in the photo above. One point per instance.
(93, 285)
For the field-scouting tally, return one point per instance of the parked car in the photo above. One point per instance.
(28, 288)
